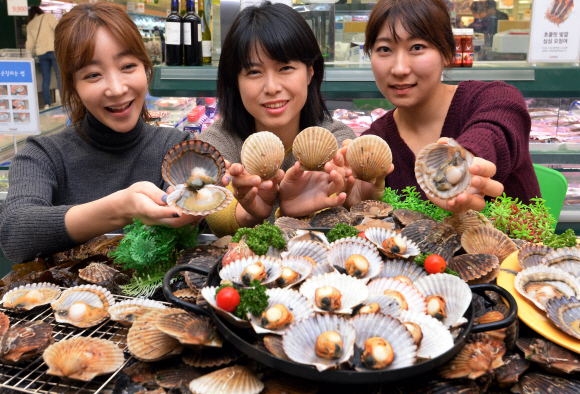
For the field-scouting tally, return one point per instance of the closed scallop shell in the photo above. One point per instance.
(189, 201)
(389, 305)
(83, 358)
(24, 341)
(462, 222)
(512, 331)
(315, 250)
(488, 240)
(126, 312)
(391, 330)
(371, 208)
(95, 300)
(567, 259)
(196, 281)
(377, 235)
(408, 216)
(561, 280)
(313, 147)
(208, 293)
(331, 217)
(175, 375)
(236, 379)
(442, 170)
(541, 383)
(30, 296)
(235, 269)
(300, 265)
(465, 363)
(300, 340)
(475, 268)
(453, 290)
(531, 254)
(286, 222)
(342, 249)
(188, 155)
(437, 339)
(434, 237)
(208, 357)
(393, 268)
(97, 272)
(369, 157)
(415, 300)
(295, 303)
(565, 313)
(190, 329)
(147, 343)
(352, 290)
(262, 154)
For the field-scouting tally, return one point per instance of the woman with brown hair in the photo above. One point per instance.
(410, 43)
(104, 170)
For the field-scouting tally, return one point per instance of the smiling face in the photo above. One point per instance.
(407, 71)
(274, 93)
(113, 85)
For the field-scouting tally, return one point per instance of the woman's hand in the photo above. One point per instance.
(255, 197)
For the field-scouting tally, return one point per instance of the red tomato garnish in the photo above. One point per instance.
(435, 264)
(362, 235)
(228, 299)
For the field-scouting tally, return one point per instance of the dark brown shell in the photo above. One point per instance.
(285, 222)
(193, 280)
(520, 243)
(97, 273)
(531, 254)
(183, 157)
(550, 356)
(141, 373)
(490, 317)
(462, 222)
(275, 345)
(331, 217)
(408, 216)
(514, 366)
(190, 329)
(489, 241)
(208, 357)
(24, 341)
(419, 386)
(372, 208)
(512, 331)
(187, 294)
(534, 383)
(475, 268)
(433, 237)
(289, 385)
(170, 377)
(4, 324)
(480, 356)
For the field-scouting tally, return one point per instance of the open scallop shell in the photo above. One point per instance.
(371, 208)
(567, 259)
(126, 312)
(24, 341)
(30, 296)
(308, 235)
(462, 222)
(531, 254)
(377, 235)
(391, 330)
(186, 156)
(488, 240)
(302, 266)
(313, 147)
(295, 302)
(236, 379)
(394, 268)
(453, 290)
(262, 154)
(342, 249)
(433, 237)
(442, 170)
(300, 340)
(147, 343)
(352, 290)
(208, 200)
(275, 345)
(369, 157)
(565, 313)
(561, 280)
(208, 294)
(83, 358)
(234, 270)
(389, 305)
(436, 337)
(97, 272)
(83, 306)
(322, 269)
(315, 250)
(211, 356)
(415, 300)
(475, 268)
(190, 329)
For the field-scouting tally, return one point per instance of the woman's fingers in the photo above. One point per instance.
(246, 196)
(482, 167)
(337, 182)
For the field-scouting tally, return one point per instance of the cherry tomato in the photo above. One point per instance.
(435, 264)
(228, 299)
(362, 235)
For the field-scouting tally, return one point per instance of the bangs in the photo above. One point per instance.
(415, 22)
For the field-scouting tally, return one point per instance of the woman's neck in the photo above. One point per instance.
(286, 133)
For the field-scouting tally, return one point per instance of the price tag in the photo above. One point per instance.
(17, 7)
(130, 6)
(141, 8)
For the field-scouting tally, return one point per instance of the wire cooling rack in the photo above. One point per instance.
(31, 377)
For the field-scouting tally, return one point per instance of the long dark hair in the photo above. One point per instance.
(284, 36)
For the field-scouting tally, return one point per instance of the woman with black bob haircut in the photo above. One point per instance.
(269, 79)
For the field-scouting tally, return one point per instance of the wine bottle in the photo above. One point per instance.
(174, 36)
(192, 36)
(205, 33)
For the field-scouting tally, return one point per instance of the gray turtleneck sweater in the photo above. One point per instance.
(53, 173)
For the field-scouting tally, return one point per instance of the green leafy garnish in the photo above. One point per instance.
(410, 198)
(566, 239)
(341, 230)
(254, 299)
(259, 239)
(420, 261)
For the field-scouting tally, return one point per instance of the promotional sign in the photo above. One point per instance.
(554, 32)
(17, 7)
(141, 8)
(18, 98)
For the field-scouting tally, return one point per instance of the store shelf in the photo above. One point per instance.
(346, 81)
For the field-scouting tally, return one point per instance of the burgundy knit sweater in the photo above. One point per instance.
(489, 119)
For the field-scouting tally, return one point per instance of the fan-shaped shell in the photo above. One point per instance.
(488, 240)
(512, 331)
(234, 270)
(372, 209)
(567, 259)
(433, 237)
(480, 356)
(543, 274)
(208, 294)
(377, 235)
(315, 250)
(173, 376)
(369, 157)
(540, 383)
(262, 154)
(452, 289)
(308, 235)
(390, 329)
(565, 313)
(331, 217)
(208, 200)
(322, 269)
(97, 272)
(301, 265)
(4, 324)
(30, 296)
(550, 356)
(83, 306)
(508, 374)
(313, 147)
(208, 357)
(415, 300)
(286, 222)
(186, 156)
(342, 249)
(24, 341)
(531, 254)
(300, 340)
(196, 281)
(389, 305)
(436, 337)
(462, 222)
(83, 358)
(408, 216)
(128, 311)
(275, 345)
(190, 329)
(442, 170)
(353, 291)
(394, 268)
(236, 379)
(475, 268)
(294, 302)
(147, 343)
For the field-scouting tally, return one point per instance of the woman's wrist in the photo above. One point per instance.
(245, 219)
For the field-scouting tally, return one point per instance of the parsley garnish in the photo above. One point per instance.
(341, 230)
(254, 299)
(259, 239)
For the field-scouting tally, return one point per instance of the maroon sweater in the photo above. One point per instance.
(489, 119)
